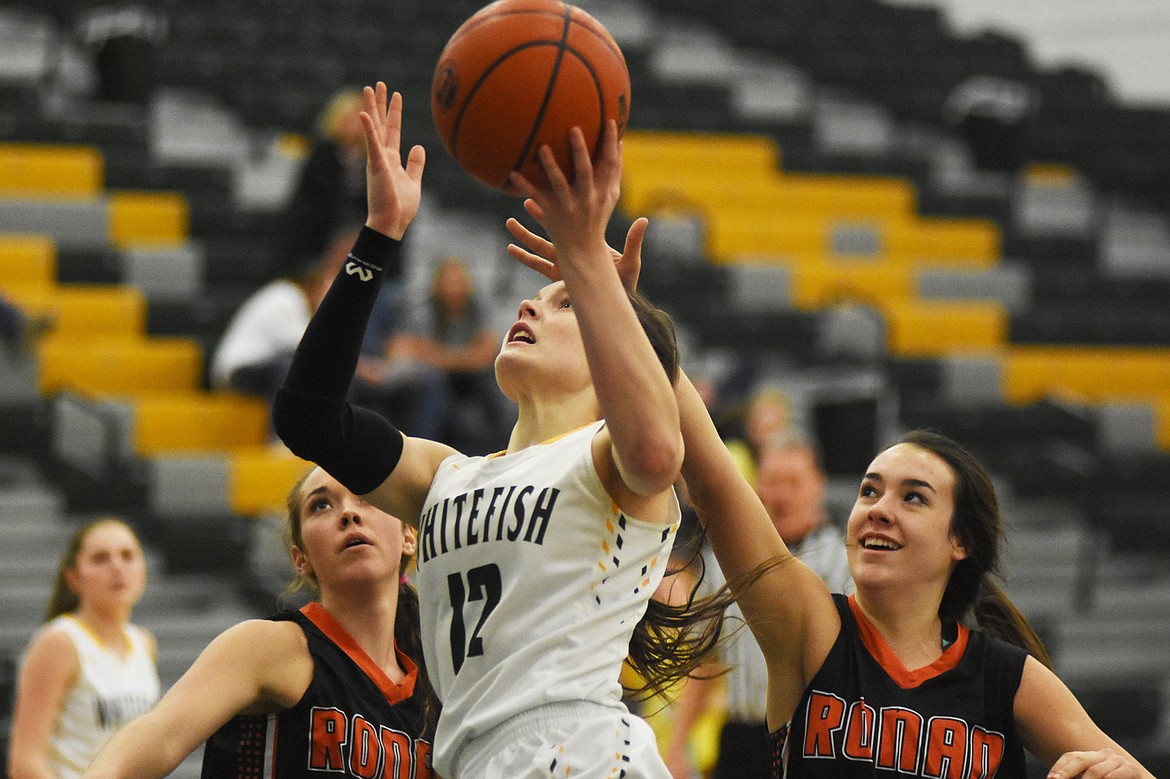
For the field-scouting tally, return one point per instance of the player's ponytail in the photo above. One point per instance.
(996, 615)
(977, 526)
(673, 638)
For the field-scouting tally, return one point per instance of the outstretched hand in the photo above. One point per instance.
(576, 212)
(393, 191)
(541, 254)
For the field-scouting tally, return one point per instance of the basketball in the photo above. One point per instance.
(519, 74)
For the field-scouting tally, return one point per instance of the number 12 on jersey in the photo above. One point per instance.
(483, 584)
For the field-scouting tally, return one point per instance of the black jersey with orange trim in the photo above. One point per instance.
(352, 720)
(865, 715)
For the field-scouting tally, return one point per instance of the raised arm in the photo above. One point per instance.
(634, 392)
(785, 603)
(256, 666)
(357, 446)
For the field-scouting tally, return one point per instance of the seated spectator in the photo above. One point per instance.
(437, 364)
(256, 348)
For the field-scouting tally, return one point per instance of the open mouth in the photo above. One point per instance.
(355, 542)
(521, 333)
(878, 544)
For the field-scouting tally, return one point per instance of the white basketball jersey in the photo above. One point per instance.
(109, 692)
(532, 581)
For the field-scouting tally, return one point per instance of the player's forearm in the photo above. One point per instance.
(634, 391)
(23, 765)
(310, 414)
(138, 751)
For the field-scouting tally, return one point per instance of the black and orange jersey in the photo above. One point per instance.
(352, 720)
(865, 715)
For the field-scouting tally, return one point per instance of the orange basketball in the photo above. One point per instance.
(519, 74)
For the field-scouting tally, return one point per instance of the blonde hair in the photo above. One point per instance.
(344, 101)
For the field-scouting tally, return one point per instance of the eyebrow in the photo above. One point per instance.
(874, 476)
(318, 491)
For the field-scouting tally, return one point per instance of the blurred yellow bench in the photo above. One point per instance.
(82, 312)
(259, 479)
(931, 328)
(1096, 373)
(119, 366)
(716, 152)
(197, 422)
(30, 170)
(148, 219)
(27, 261)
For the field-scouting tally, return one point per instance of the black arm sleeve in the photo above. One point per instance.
(356, 446)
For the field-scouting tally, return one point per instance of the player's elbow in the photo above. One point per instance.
(653, 465)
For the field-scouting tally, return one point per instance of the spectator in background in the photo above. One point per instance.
(432, 366)
(88, 671)
(330, 191)
(766, 418)
(791, 484)
(256, 348)
(123, 39)
(991, 113)
(451, 333)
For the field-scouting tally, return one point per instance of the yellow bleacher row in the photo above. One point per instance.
(754, 212)
(99, 347)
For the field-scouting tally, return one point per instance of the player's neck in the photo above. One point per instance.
(370, 622)
(540, 421)
(108, 627)
(909, 624)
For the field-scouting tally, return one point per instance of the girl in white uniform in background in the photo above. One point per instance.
(88, 671)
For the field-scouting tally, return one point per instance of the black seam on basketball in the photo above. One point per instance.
(468, 99)
(601, 107)
(548, 90)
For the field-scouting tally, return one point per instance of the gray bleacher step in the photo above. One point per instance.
(30, 566)
(29, 505)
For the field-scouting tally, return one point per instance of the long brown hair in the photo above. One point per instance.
(63, 599)
(671, 641)
(407, 627)
(977, 525)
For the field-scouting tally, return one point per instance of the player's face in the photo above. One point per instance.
(344, 537)
(110, 572)
(899, 531)
(546, 339)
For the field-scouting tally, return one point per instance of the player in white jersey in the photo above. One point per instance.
(494, 531)
(529, 592)
(88, 671)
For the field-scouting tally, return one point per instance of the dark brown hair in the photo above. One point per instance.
(661, 332)
(670, 642)
(407, 626)
(977, 525)
(63, 599)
